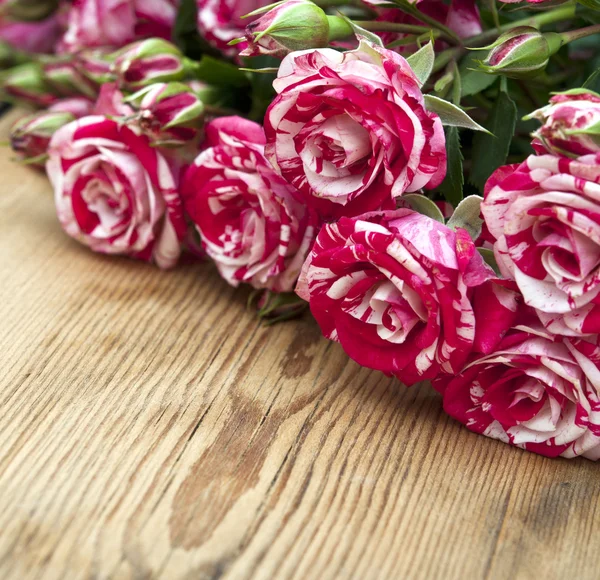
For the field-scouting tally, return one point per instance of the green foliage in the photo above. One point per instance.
(490, 150)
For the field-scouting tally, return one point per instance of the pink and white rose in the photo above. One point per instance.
(96, 23)
(114, 192)
(533, 392)
(397, 290)
(220, 21)
(570, 124)
(250, 220)
(545, 217)
(350, 130)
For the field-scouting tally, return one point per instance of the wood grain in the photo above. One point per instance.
(150, 427)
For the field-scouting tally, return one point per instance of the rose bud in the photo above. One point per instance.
(30, 136)
(147, 62)
(96, 64)
(521, 52)
(77, 106)
(570, 123)
(63, 76)
(26, 83)
(25, 10)
(291, 25)
(170, 114)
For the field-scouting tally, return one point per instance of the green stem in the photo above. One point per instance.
(581, 33)
(564, 12)
(375, 26)
(433, 23)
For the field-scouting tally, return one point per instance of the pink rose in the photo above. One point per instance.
(545, 217)
(95, 23)
(533, 392)
(114, 192)
(249, 219)
(570, 124)
(39, 36)
(350, 131)
(220, 21)
(397, 290)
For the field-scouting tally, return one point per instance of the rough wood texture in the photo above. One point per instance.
(150, 427)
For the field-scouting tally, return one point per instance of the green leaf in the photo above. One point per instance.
(593, 81)
(467, 216)
(474, 82)
(450, 114)
(219, 73)
(359, 31)
(422, 204)
(489, 258)
(452, 186)
(490, 150)
(422, 62)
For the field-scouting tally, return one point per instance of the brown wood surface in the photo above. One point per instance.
(150, 427)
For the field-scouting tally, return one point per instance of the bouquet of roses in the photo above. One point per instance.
(424, 174)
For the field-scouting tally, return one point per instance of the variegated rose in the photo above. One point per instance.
(397, 290)
(114, 192)
(221, 21)
(250, 221)
(545, 217)
(570, 124)
(100, 23)
(350, 131)
(533, 391)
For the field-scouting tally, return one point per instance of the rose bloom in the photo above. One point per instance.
(114, 192)
(95, 23)
(545, 217)
(249, 219)
(350, 131)
(220, 21)
(397, 290)
(534, 392)
(565, 122)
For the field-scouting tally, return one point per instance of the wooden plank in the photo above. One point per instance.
(150, 427)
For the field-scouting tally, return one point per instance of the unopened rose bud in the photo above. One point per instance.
(291, 25)
(273, 307)
(26, 83)
(30, 136)
(521, 52)
(147, 62)
(64, 78)
(76, 106)
(171, 114)
(25, 10)
(96, 64)
(570, 123)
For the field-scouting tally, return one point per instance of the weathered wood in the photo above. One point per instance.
(150, 427)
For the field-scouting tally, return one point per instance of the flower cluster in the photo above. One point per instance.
(336, 163)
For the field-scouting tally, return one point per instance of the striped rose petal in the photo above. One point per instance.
(545, 217)
(404, 294)
(250, 220)
(537, 392)
(114, 192)
(350, 131)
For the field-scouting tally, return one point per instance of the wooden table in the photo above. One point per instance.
(150, 427)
